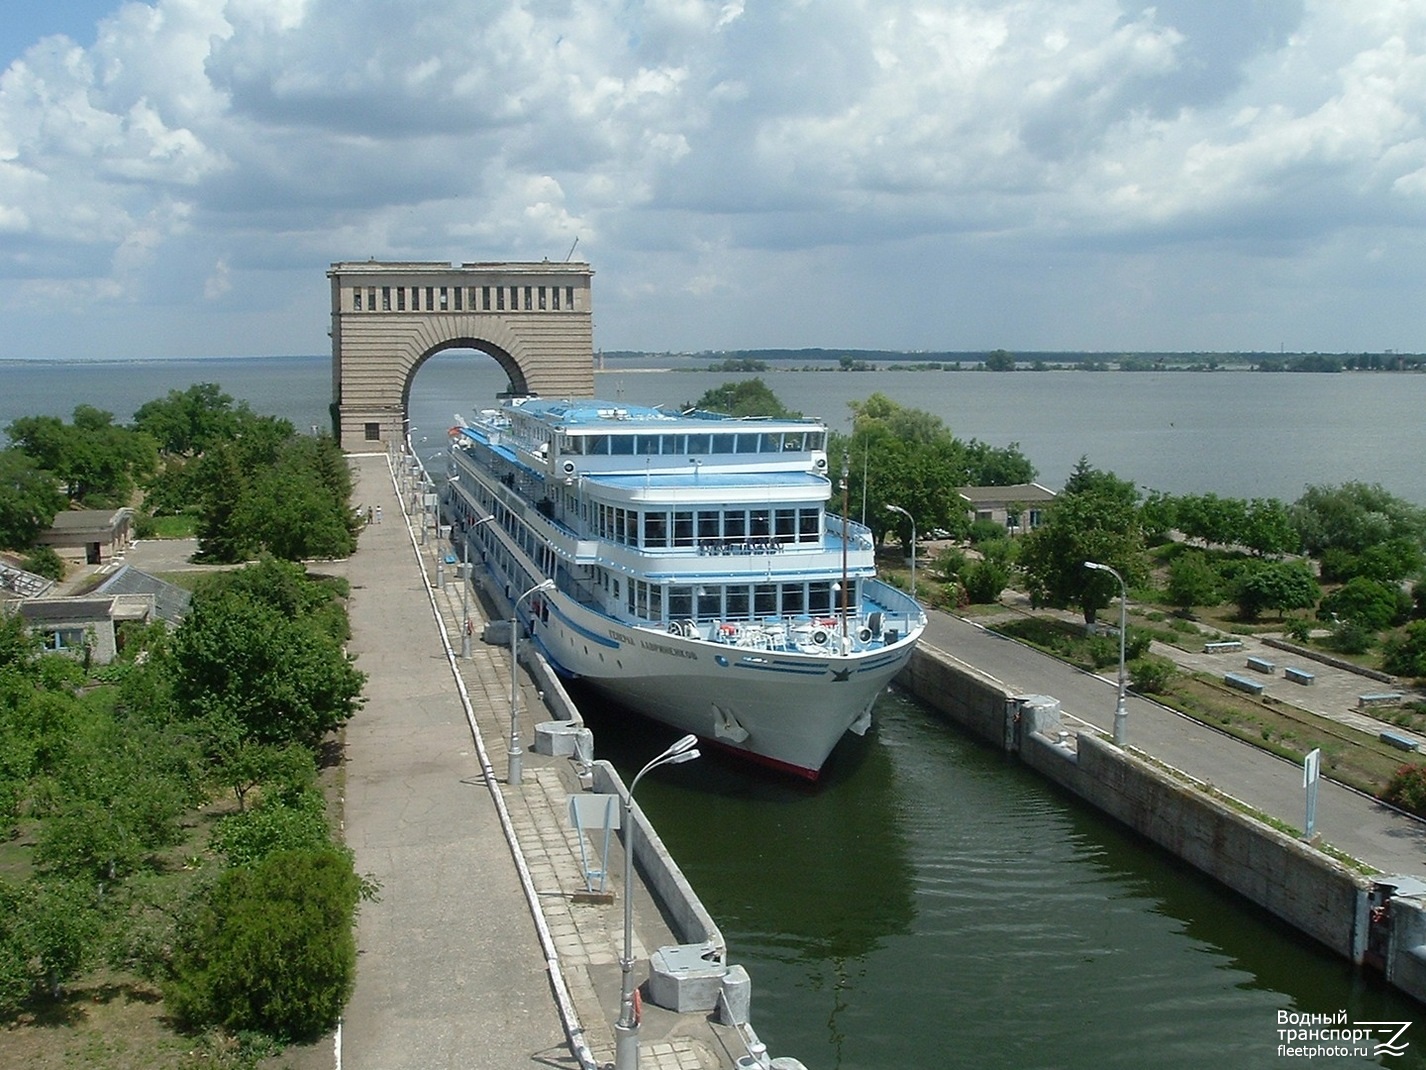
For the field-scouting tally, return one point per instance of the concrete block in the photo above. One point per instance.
(736, 1005)
(556, 738)
(683, 978)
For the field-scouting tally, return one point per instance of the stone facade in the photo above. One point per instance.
(534, 319)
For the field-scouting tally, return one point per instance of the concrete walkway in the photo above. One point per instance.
(476, 954)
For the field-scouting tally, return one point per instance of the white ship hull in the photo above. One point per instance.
(785, 708)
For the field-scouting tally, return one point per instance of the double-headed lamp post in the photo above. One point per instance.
(908, 516)
(1121, 716)
(513, 777)
(626, 1029)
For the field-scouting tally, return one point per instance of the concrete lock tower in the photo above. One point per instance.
(535, 319)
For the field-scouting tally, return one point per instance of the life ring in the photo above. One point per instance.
(864, 635)
(819, 637)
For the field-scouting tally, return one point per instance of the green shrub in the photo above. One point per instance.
(43, 561)
(1405, 655)
(1151, 675)
(984, 581)
(272, 948)
(291, 821)
(1407, 789)
(1351, 637)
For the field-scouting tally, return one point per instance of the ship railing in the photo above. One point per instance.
(858, 535)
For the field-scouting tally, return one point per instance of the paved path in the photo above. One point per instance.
(453, 970)
(1378, 835)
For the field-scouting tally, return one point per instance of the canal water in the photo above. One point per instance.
(931, 903)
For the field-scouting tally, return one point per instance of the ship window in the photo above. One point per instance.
(680, 602)
(819, 597)
(748, 443)
(656, 529)
(621, 445)
(642, 609)
(764, 599)
(816, 440)
(786, 523)
(697, 445)
(735, 524)
(738, 603)
(793, 441)
(723, 443)
(655, 603)
(683, 528)
(710, 602)
(772, 442)
(793, 597)
(708, 525)
(809, 525)
(648, 445)
(758, 524)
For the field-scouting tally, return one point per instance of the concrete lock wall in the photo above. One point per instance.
(1298, 884)
(691, 922)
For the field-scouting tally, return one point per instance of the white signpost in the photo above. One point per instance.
(1311, 772)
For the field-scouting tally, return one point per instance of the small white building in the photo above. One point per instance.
(87, 624)
(1018, 507)
(90, 536)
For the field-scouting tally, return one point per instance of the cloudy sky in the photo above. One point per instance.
(177, 175)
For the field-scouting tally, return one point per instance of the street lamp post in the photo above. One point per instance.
(465, 581)
(1121, 716)
(515, 756)
(626, 1029)
(908, 516)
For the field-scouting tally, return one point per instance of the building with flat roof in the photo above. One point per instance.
(91, 536)
(1018, 507)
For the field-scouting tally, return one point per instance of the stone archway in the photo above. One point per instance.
(535, 319)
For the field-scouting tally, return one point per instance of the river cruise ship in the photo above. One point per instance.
(695, 573)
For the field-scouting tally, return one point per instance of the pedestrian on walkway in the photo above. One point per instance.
(368, 514)
(378, 514)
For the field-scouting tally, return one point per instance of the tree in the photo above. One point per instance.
(1267, 528)
(1353, 517)
(999, 361)
(1099, 523)
(96, 461)
(1405, 655)
(1277, 585)
(750, 397)
(189, 421)
(1371, 603)
(29, 499)
(246, 667)
(272, 948)
(1193, 581)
